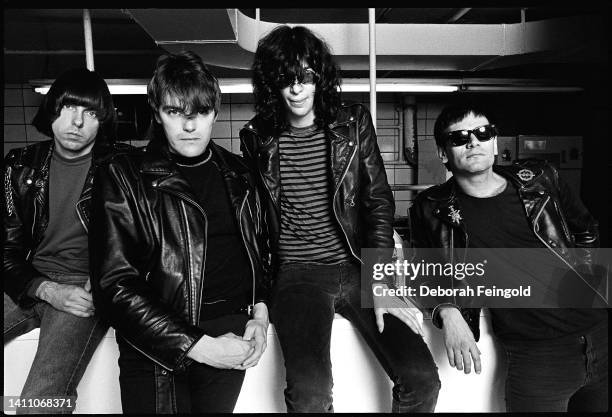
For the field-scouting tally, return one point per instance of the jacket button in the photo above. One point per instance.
(250, 126)
(351, 143)
(164, 372)
(154, 185)
(29, 181)
(541, 192)
(351, 118)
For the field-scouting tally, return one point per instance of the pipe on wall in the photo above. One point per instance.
(89, 58)
(372, 27)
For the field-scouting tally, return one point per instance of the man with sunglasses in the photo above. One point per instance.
(327, 197)
(557, 358)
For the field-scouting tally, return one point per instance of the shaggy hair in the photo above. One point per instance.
(285, 50)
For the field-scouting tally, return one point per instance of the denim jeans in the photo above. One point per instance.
(200, 389)
(305, 299)
(66, 344)
(568, 374)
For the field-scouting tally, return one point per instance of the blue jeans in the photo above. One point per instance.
(66, 344)
(568, 374)
(305, 299)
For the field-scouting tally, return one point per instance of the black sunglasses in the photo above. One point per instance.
(307, 76)
(461, 137)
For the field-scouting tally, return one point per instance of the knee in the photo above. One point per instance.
(308, 397)
(423, 383)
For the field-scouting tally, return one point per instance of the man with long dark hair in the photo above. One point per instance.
(327, 195)
(178, 250)
(47, 191)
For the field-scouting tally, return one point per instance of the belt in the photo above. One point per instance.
(216, 308)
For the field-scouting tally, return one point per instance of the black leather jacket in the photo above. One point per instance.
(557, 217)
(362, 202)
(25, 206)
(148, 244)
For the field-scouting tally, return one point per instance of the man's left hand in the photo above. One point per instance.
(257, 329)
(411, 316)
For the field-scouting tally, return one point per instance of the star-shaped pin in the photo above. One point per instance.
(455, 215)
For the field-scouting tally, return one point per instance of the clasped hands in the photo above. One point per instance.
(230, 351)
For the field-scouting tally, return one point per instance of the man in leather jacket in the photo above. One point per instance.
(179, 251)
(327, 197)
(557, 357)
(45, 204)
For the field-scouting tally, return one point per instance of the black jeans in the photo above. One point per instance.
(568, 374)
(304, 302)
(200, 389)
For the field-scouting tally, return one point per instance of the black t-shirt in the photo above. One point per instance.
(227, 273)
(500, 222)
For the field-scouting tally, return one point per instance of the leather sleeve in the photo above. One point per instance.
(18, 272)
(583, 226)
(377, 202)
(122, 245)
(264, 285)
(420, 238)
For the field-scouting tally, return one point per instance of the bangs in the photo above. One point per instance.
(190, 100)
(293, 51)
(88, 101)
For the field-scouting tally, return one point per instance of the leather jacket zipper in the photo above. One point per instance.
(80, 215)
(334, 207)
(195, 204)
(147, 355)
(246, 246)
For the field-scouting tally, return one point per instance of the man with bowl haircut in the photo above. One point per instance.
(327, 195)
(557, 357)
(179, 250)
(45, 204)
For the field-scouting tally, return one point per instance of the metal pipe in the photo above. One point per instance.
(460, 13)
(89, 58)
(372, 27)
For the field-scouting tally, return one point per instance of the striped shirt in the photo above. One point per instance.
(309, 232)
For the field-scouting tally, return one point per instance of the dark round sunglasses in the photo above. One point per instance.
(307, 76)
(461, 137)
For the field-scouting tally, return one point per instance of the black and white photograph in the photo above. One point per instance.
(306, 210)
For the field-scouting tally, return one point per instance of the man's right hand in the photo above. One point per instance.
(70, 299)
(459, 341)
(225, 352)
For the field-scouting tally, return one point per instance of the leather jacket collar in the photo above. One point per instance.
(526, 180)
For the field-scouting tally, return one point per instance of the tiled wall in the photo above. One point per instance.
(21, 103)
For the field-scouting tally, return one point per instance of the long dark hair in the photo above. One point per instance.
(79, 87)
(283, 51)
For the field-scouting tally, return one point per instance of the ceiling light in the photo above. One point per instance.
(399, 87)
(243, 85)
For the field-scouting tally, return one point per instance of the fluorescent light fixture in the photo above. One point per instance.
(399, 87)
(243, 85)
(114, 89)
(520, 88)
